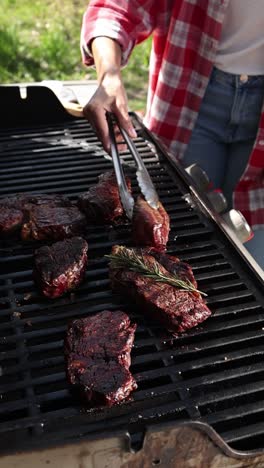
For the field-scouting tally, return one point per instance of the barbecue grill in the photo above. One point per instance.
(200, 396)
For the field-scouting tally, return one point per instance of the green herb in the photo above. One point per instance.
(129, 259)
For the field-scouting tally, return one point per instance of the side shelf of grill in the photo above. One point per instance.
(167, 446)
(23, 105)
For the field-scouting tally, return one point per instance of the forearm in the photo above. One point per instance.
(107, 57)
(127, 23)
(110, 95)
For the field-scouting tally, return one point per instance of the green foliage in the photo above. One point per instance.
(136, 76)
(39, 40)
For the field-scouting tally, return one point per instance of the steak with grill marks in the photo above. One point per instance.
(174, 266)
(60, 267)
(176, 309)
(47, 222)
(10, 220)
(102, 204)
(24, 201)
(97, 352)
(15, 208)
(150, 227)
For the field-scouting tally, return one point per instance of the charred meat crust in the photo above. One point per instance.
(60, 267)
(24, 201)
(15, 209)
(177, 310)
(53, 223)
(150, 227)
(101, 203)
(97, 352)
(10, 220)
(175, 266)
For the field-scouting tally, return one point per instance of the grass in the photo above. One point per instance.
(39, 40)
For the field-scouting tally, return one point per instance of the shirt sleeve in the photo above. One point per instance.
(129, 22)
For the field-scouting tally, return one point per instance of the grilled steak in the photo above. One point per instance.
(102, 204)
(178, 310)
(150, 227)
(24, 201)
(61, 267)
(97, 351)
(174, 265)
(10, 220)
(14, 209)
(48, 222)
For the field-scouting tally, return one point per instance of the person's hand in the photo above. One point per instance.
(110, 96)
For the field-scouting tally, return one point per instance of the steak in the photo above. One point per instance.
(150, 227)
(97, 352)
(102, 204)
(176, 309)
(61, 267)
(47, 222)
(24, 201)
(14, 209)
(174, 266)
(10, 220)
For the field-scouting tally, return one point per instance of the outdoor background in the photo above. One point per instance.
(39, 40)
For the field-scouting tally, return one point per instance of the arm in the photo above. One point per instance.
(110, 30)
(110, 94)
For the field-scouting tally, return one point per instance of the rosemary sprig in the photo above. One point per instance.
(129, 259)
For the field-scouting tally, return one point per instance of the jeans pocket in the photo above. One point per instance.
(252, 106)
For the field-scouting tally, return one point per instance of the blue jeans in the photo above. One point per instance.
(224, 134)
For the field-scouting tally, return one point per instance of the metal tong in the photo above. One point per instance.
(144, 181)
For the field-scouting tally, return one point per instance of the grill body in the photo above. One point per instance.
(213, 374)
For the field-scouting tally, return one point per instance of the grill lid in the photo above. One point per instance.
(213, 373)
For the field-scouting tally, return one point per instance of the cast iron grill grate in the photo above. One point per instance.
(213, 373)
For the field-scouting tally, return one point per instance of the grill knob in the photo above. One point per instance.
(238, 223)
(199, 176)
(218, 200)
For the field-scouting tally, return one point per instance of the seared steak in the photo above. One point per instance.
(48, 222)
(10, 220)
(61, 267)
(24, 201)
(97, 351)
(150, 227)
(177, 309)
(102, 204)
(15, 209)
(174, 265)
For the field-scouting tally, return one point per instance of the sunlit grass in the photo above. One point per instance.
(39, 40)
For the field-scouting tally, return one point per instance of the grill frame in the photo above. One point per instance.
(24, 354)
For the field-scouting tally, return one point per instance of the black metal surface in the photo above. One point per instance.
(213, 373)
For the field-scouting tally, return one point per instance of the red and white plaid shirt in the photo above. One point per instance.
(185, 40)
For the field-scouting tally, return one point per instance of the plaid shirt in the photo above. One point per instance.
(185, 40)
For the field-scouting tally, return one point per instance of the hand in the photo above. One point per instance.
(110, 96)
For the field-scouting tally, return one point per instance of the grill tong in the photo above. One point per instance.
(144, 181)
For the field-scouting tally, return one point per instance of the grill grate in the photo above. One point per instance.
(213, 373)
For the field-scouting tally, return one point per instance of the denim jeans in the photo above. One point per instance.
(224, 134)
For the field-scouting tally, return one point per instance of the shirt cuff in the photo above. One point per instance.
(109, 29)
